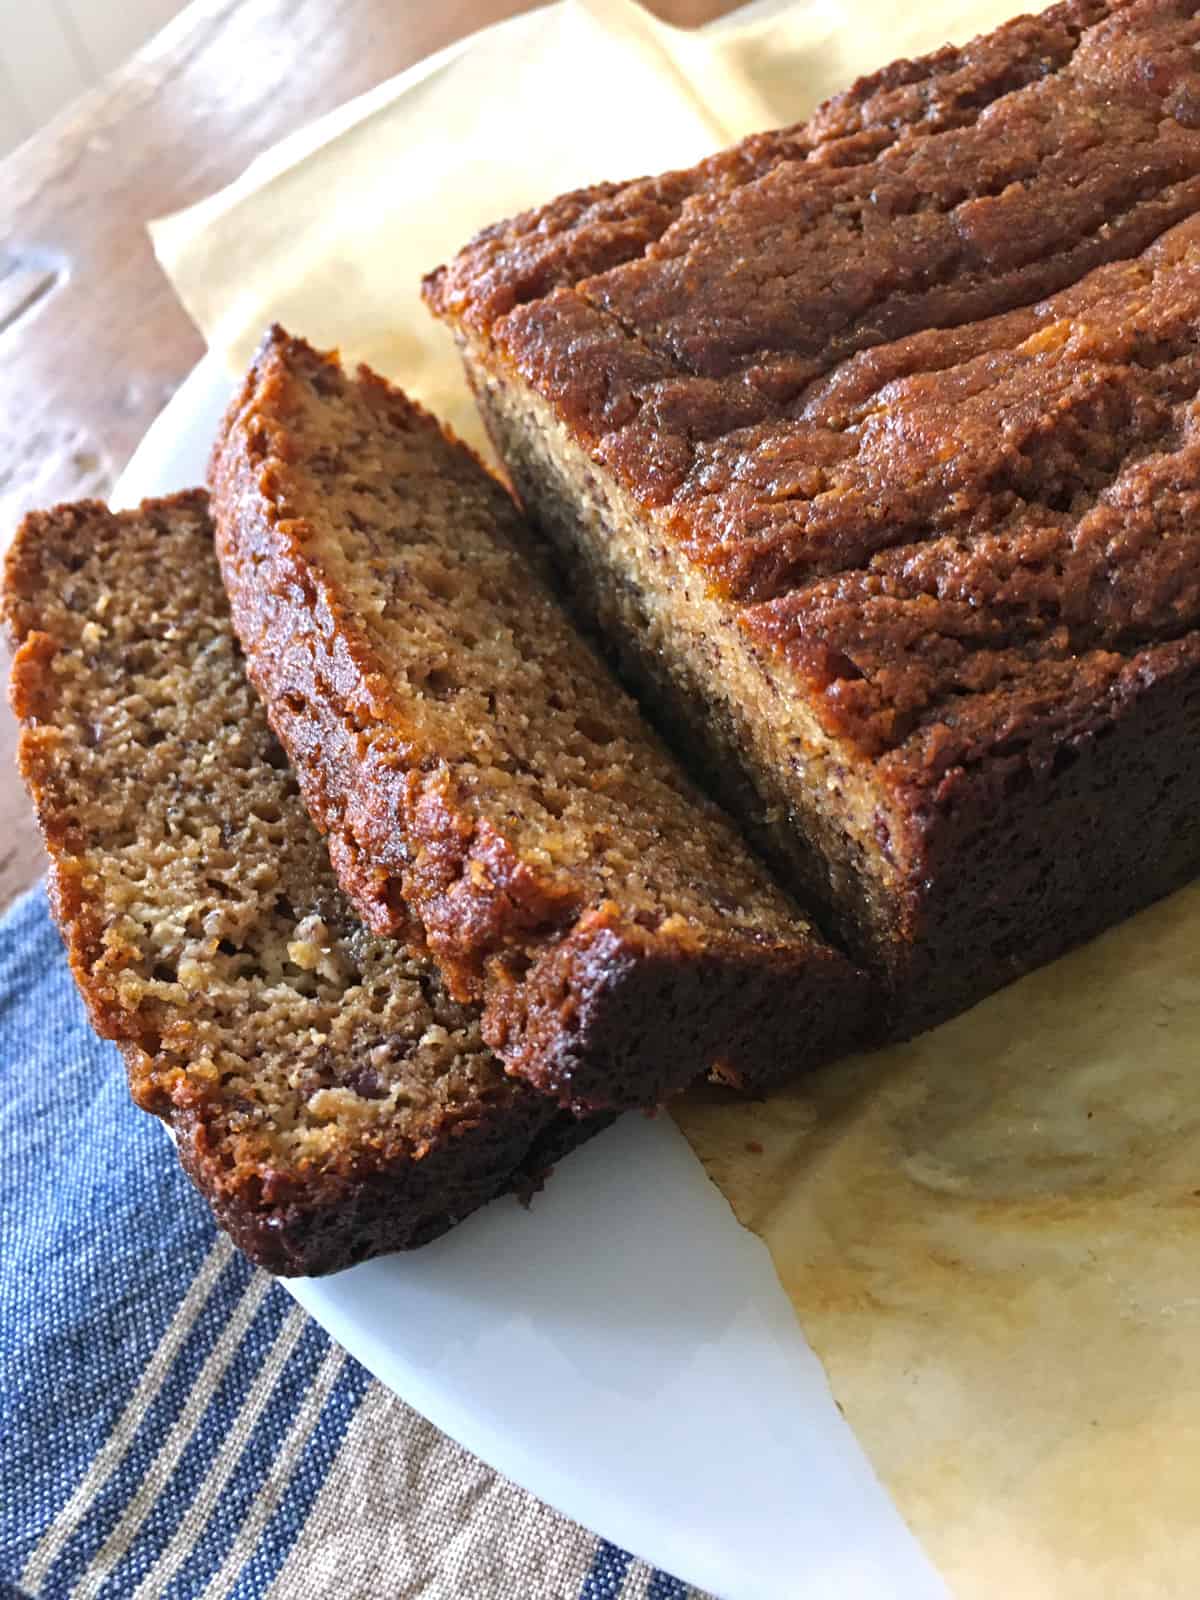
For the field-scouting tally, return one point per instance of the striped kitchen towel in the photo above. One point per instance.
(173, 1425)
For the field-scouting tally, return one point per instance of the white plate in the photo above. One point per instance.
(623, 1349)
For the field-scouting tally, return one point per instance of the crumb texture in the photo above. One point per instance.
(477, 765)
(305, 1064)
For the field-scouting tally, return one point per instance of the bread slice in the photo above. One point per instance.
(868, 448)
(474, 763)
(327, 1097)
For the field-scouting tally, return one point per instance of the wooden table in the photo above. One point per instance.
(92, 340)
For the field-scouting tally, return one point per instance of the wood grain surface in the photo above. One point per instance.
(92, 340)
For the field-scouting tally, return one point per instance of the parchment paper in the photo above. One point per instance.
(992, 1235)
(331, 230)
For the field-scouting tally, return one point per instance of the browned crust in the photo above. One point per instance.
(379, 1197)
(399, 833)
(401, 1203)
(903, 488)
(588, 232)
(607, 1013)
(954, 517)
(1089, 815)
(1036, 849)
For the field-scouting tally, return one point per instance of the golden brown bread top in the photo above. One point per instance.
(914, 394)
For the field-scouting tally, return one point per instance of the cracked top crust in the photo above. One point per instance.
(913, 386)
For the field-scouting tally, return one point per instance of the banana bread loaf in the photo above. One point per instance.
(476, 766)
(869, 449)
(327, 1097)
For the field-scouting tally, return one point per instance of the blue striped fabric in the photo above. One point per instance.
(606, 1577)
(169, 1417)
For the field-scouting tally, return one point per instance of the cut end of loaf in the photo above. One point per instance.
(329, 1098)
(470, 757)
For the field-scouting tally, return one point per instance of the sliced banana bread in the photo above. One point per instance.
(327, 1097)
(474, 764)
(869, 448)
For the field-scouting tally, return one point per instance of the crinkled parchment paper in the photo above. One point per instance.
(991, 1235)
(992, 1239)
